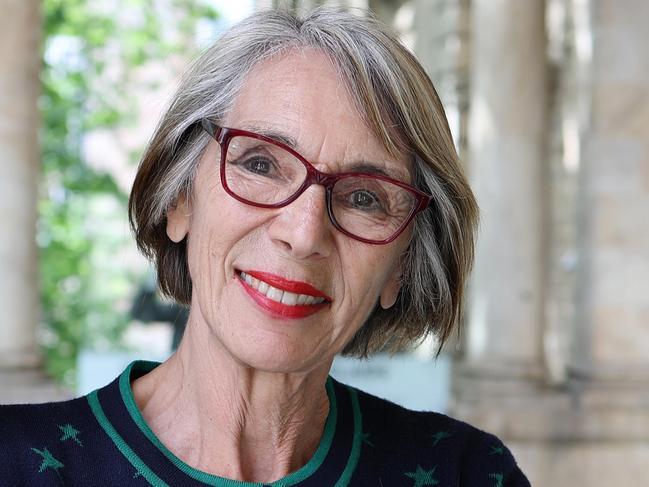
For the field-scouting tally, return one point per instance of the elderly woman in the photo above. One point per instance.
(303, 197)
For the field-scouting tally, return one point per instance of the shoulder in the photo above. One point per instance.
(22, 424)
(29, 431)
(395, 420)
(30, 418)
(434, 442)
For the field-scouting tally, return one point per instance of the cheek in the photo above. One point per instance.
(221, 229)
(365, 270)
(201, 268)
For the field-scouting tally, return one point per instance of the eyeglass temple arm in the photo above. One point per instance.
(210, 127)
(425, 203)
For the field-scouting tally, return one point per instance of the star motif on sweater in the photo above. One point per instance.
(366, 439)
(499, 479)
(70, 432)
(439, 436)
(48, 461)
(422, 477)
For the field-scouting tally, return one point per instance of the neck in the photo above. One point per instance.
(224, 418)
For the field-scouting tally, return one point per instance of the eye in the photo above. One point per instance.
(362, 198)
(255, 164)
(258, 165)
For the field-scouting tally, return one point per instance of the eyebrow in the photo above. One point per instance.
(272, 134)
(362, 166)
(373, 168)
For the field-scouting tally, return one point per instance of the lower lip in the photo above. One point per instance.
(279, 310)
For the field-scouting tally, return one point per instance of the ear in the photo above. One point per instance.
(391, 288)
(178, 218)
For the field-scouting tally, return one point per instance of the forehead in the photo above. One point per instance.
(301, 95)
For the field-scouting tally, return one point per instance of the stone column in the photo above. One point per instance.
(507, 135)
(442, 33)
(608, 369)
(19, 153)
(587, 421)
(497, 378)
(20, 377)
(614, 275)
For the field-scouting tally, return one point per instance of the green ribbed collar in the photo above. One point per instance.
(138, 368)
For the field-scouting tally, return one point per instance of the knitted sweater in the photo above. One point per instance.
(102, 440)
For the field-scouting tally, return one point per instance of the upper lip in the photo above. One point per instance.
(297, 287)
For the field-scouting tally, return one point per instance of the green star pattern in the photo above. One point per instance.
(422, 477)
(497, 450)
(48, 461)
(439, 436)
(366, 439)
(498, 477)
(70, 432)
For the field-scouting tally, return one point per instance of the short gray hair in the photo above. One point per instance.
(398, 102)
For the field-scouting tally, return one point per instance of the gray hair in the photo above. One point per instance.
(397, 101)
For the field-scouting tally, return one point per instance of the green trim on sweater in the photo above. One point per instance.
(294, 478)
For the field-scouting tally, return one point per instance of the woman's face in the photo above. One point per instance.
(299, 96)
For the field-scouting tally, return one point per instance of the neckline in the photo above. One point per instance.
(112, 423)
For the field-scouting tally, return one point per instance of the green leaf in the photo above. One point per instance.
(92, 87)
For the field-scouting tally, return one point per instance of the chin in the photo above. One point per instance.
(271, 356)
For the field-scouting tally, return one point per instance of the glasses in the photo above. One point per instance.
(262, 172)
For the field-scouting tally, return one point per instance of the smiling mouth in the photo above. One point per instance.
(279, 295)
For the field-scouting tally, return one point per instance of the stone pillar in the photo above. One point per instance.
(608, 368)
(496, 380)
(19, 153)
(441, 30)
(614, 275)
(506, 149)
(20, 377)
(581, 419)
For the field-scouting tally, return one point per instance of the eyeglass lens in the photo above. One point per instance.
(264, 173)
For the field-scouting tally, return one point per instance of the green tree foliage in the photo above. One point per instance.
(91, 49)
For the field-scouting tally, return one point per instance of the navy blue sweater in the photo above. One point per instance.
(102, 440)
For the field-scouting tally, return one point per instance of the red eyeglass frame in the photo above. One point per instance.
(223, 135)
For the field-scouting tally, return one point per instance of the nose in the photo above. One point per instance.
(303, 228)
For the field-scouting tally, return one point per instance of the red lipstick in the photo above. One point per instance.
(280, 310)
(296, 287)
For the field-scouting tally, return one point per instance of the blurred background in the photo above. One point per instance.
(548, 101)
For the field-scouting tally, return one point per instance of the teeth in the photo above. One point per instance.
(275, 294)
(289, 298)
(284, 297)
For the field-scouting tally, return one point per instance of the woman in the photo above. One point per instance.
(303, 197)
